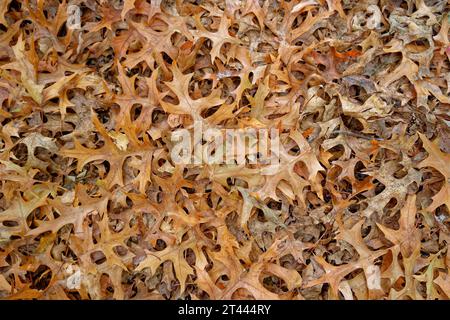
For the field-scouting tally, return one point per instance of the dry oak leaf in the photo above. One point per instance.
(335, 274)
(443, 281)
(111, 151)
(180, 86)
(411, 284)
(70, 215)
(218, 38)
(4, 285)
(407, 236)
(436, 262)
(373, 107)
(441, 162)
(372, 272)
(3, 9)
(127, 6)
(28, 74)
(37, 140)
(395, 188)
(176, 255)
(406, 68)
(285, 171)
(251, 280)
(21, 208)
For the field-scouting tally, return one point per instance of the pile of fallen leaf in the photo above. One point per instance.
(93, 207)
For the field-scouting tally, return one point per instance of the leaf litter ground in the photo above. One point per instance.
(92, 206)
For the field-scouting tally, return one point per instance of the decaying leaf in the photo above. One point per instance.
(352, 202)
